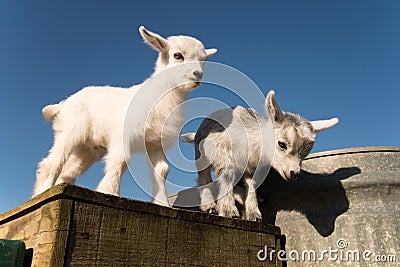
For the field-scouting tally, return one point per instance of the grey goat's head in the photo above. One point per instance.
(294, 137)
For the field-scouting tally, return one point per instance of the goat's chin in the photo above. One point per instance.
(190, 86)
(284, 176)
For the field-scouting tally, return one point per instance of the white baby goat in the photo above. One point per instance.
(237, 142)
(117, 122)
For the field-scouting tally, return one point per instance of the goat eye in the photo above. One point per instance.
(282, 145)
(178, 56)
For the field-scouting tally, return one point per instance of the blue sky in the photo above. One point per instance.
(323, 58)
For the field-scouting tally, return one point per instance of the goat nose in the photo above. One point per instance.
(198, 74)
(293, 175)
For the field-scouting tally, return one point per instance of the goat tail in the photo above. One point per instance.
(50, 111)
(188, 137)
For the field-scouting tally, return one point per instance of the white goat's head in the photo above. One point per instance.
(294, 137)
(183, 53)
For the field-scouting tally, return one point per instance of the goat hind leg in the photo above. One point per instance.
(207, 198)
(53, 164)
(42, 173)
(81, 158)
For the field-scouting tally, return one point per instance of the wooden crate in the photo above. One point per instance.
(72, 226)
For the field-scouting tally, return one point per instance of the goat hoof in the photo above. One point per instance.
(161, 203)
(209, 207)
(231, 212)
(254, 215)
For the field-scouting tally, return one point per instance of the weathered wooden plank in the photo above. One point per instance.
(89, 196)
(34, 203)
(45, 229)
(73, 226)
(103, 236)
(192, 244)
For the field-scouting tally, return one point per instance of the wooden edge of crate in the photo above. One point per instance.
(66, 191)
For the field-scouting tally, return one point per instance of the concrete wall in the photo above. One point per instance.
(345, 200)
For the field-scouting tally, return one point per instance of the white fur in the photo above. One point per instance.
(115, 122)
(236, 143)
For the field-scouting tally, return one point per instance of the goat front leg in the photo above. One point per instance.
(226, 203)
(252, 212)
(159, 171)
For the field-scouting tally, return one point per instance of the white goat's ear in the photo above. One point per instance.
(154, 40)
(188, 137)
(323, 124)
(210, 52)
(272, 108)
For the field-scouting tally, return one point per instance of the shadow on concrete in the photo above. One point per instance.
(321, 198)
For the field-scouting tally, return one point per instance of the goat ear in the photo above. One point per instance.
(154, 40)
(323, 124)
(210, 52)
(272, 108)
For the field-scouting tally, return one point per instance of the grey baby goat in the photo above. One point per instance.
(238, 143)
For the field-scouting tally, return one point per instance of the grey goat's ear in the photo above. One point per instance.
(272, 108)
(210, 52)
(154, 40)
(323, 124)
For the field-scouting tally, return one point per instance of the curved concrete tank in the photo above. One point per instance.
(344, 210)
